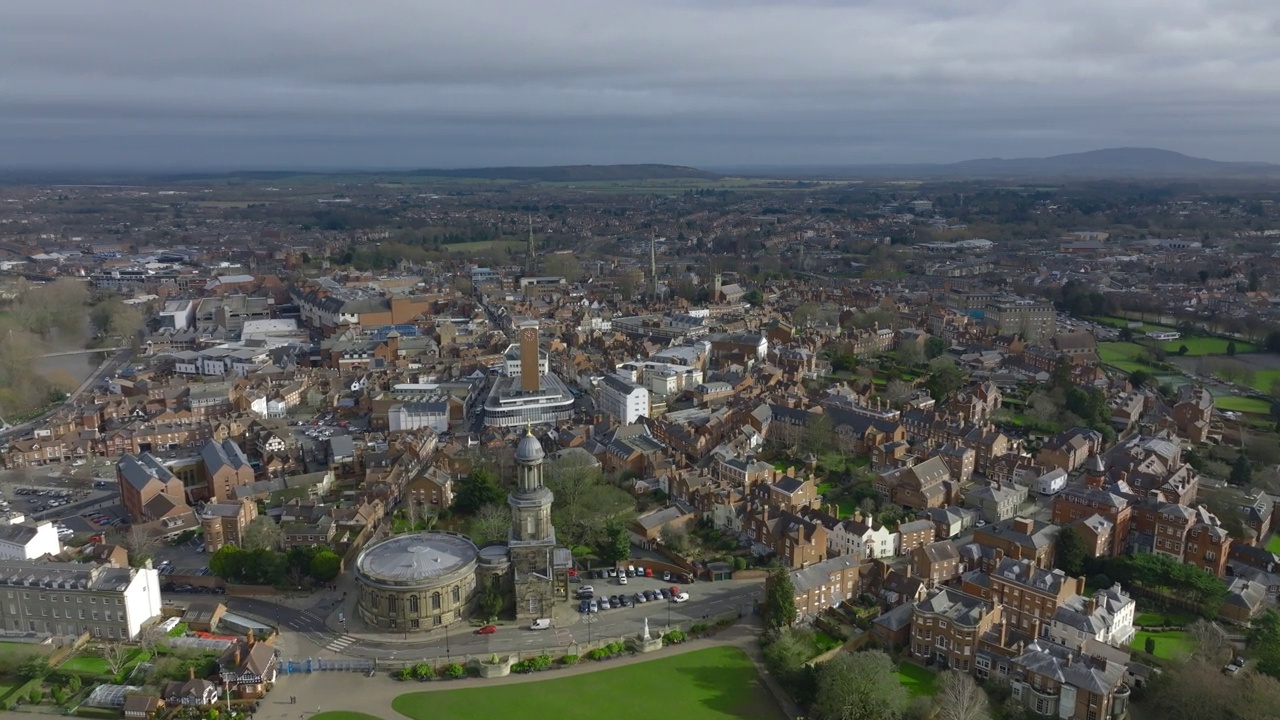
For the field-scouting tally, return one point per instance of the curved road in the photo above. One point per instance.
(310, 623)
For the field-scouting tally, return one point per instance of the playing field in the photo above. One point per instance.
(718, 682)
(1122, 355)
(1243, 404)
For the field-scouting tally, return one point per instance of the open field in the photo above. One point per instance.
(710, 684)
(343, 715)
(1243, 404)
(17, 649)
(1123, 356)
(1199, 346)
(1274, 544)
(1169, 645)
(917, 680)
(471, 247)
(85, 664)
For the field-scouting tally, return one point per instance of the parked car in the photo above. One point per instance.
(666, 594)
(541, 624)
(648, 572)
(584, 606)
(604, 603)
(624, 601)
(622, 578)
(681, 597)
(666, 576)
(640, 598)
(487, 630)
(1234, 666)
(586, 589)
(595, 606)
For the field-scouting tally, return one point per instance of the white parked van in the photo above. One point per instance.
(541, 624)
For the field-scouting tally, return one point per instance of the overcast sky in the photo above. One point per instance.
(458, 83)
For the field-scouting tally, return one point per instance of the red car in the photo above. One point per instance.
(648, 572)
(487, 630)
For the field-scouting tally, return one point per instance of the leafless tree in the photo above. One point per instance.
(1211, 641)
(151, 637)
(960, 698)
(490, 524)
(141, 544)
(116, 654)
(411, 510)
(262, 534)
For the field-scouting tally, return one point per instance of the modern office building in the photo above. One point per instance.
(535, 396)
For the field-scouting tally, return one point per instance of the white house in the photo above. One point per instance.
(1105, 617)
(28, 541)
(870, 540)
(1052, 482)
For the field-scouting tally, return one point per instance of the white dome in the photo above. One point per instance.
(529, 449)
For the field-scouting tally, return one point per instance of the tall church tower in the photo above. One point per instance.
(530, 254)
(532, 540)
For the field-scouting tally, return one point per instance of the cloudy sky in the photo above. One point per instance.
(455, 83)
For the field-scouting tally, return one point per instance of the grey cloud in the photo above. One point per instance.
(697, 82)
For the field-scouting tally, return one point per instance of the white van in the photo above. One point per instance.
(541, 624)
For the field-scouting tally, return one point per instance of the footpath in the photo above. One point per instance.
(334, 690)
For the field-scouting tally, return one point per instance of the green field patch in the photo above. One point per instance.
(1253, 405)
(344, 715)
(1169, 645)
(1197, 346)
(1273, 545)
(919, 681)
(10, 650)
(85, 664)
(711, 684)
(1164, 619)
(471, 247)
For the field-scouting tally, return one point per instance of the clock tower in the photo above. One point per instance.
(530, 378)
(532, 540)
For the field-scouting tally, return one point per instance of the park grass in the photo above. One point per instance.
(1273, 545)
(1264, 379)
(1169, 645)
(1253, 405)
(919, 681)
(471, 247)
(344, 715)
(1198, 346)
(1114, 352)
(710, 684)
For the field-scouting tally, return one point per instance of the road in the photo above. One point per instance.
(308, 625)
(105, 370)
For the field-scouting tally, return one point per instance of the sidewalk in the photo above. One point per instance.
(324, 691)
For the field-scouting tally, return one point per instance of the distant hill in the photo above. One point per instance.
(577, 173)
(1111, 163)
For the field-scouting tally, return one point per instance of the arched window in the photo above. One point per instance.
(413, 604)
(435, 601)
(494, 580)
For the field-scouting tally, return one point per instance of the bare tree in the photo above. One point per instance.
(116, 654)
(411, 510)
(141, 544)
(151, 637)
(1211, 641)
(960, 698)
(262, 534)
(895, 393)
(490, 524)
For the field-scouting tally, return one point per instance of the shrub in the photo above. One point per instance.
(35, 696)
(675, 637)
(698, 628)
(455, 670)
(569, 660)
(404, 673)
(423, 671)
(73, 684)
(614, 648)
(542, 662)
(598, 654)
(739, 563)
(59, 695)
(724, 622)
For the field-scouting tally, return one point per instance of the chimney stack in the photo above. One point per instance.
(1004, 632)
(1090, 606)
(191, 673)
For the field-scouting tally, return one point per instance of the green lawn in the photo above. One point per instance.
(1169, 645)
(1264, 379)
(17, 649)
(917, 680)
(89, 664)
(1116, 352)
(343, 715)
(1197, 346)
(1257, 406)
(706, 684)
(1274, 544)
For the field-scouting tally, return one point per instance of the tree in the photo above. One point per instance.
(478, 488)
(226, 562)
(960, 698)
(818, 434)
(490, 525)
(895, 393)
(675, 538)
(116, 655)
(1183, 350)
(141, 543)
(585, 505)
(1140, 378)
(1069, 551)
(262, 533)
(755, 297)
(491, 601)
(1231, 348)
(1150, 645)
(859, 686)
(325, 566)
(779, 600)
(934, 347)
(617, 545)
(1241, 471)
(944, 379)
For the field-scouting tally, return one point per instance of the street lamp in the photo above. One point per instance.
(446, 643)
(589, 620)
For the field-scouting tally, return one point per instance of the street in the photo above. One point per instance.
(305, 633)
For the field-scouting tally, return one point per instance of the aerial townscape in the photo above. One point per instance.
(689, 359)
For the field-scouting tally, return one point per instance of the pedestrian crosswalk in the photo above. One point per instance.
(341, 643)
